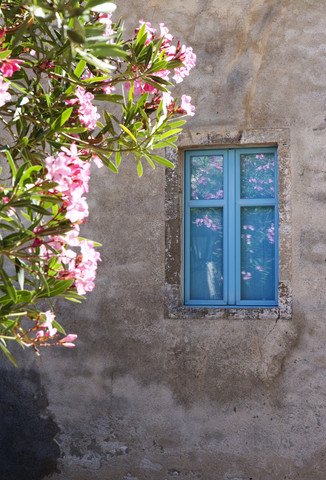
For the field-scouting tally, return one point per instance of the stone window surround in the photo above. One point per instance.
(174, 186)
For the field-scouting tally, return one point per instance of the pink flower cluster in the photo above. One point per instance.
(72, 176)
(83, 267)
(171, 52)
(87, 112)
(47, 330)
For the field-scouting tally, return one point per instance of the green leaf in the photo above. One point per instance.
(8, 354)
(12, 292)
(118, 159)
(12, 164)
(75, 130)
(65, 116)
(139, 168)
(102, 6)
(167, 143)
(149, 161)
(108, 98)
(170, 133)
(80, 68)
(75, 37)
(161, 160)
(105, 50)
(176, 124)
(28, 173)
(20, 272)
(5, 226)
(57, 289)
(58, 327)
(5, 54)
(107, 162)
(20, 32)
(39, 209)
(129, 132)
(155, 84)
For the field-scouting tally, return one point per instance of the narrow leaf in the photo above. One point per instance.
(129, 132)
(162, 160)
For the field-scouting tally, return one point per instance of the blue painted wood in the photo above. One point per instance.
(232, 206)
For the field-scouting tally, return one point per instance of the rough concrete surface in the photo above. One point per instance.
(146, 396)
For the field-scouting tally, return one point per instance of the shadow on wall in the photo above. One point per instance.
(27, 447)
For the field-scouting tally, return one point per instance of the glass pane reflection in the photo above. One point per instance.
(257, 174)
(206, 177)
(206, 254)
(257, 253)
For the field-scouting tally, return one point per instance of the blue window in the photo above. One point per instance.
(230, 227)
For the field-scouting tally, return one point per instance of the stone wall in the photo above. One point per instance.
(147, 395)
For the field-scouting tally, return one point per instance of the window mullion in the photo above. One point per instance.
(231, 227)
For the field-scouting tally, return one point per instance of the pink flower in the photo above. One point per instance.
(67, 341)
(11, 210)
(83, 269)
(165, 33)
(98, 162)
(186, 105)
(107, 89)
(9, 66)
(105, 18)
(188, 58)
(46, 327)
(4, 95)
(167, 99)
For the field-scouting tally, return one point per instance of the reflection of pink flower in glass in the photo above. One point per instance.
(246, 275)
(248, 239)
(259, 268)
(271, 234)
(202, 180)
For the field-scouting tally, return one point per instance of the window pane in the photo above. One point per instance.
(206, 177)
(257, 253)
(206, 254)
(257, 174)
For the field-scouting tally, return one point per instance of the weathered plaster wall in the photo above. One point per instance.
(147, 397)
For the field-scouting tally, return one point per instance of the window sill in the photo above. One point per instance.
(174, 309)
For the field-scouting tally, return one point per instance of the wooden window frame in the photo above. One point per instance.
(231, 205)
